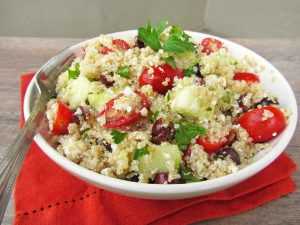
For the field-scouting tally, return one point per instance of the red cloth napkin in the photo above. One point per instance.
(47, 195)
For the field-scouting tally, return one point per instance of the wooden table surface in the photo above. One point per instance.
(18, 55)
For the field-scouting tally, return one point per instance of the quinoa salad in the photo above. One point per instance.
(162, 108)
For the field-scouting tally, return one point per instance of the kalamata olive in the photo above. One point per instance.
(229, 151)
(177, 181)
(265, 101)
(107, 146)
(104, 143)
(227, 112)
(76, 119)
(241, 104)
(161, 178)
(231, 137)
(139, 43)
(134, 178)
(198, 70)
(162, 132)
(104, 80)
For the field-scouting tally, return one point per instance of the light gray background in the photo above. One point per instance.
(87, 18)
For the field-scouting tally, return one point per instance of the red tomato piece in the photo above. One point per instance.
(209, 146)
(121, 44)
(262, 127)
(105, 50)
(248, 77)
(210, 45)
(64, 116)
(121, 119)
(161, 79)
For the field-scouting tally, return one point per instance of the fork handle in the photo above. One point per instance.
(11, 164)
(12, 161)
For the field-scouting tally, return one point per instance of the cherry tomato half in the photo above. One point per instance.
(121, 119)
(210, 45)
(161, 79)
(121, 44)
(209, 146)
(262, 127)
(105, 50)
(64, 116)
(248, 77)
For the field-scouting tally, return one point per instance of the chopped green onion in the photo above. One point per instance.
(118, 136)
(186, 132)
(139, 152)
(124, 71)
(73, 74)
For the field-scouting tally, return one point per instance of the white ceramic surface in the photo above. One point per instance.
(273, 82)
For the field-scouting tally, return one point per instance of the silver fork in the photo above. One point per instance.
(10, 164)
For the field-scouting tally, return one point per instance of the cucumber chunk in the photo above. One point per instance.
(98, 100)
(186, 101)
(161, 158)
(77, 91)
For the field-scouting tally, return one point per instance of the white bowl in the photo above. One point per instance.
(273, 82)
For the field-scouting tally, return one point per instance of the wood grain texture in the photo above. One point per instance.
(18, 55)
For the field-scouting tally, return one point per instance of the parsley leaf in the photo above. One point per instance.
(177, 44)
(153, 116)
(186, 132)
(171, 61)
(187, 176)
(73, 74)
(178, 32)
(150, 36)
(124, 71)
(118, 136)
(168, 97)
(178, 41)
(139, 152)
(161, 26)
(189, 71)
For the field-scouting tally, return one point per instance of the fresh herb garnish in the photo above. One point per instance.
(171, 61)
(118, 136)
(153, 116)
(139, 152)
(150, 34)
(73, 74)
(193, 70)
(177, 44)
(186, 132)
(178, 32)
(178, 41)
(161, 26)
(124, 71)
(187, 175)
(189, 71)
(168, 97)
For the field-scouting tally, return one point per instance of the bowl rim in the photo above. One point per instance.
(154, 189)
